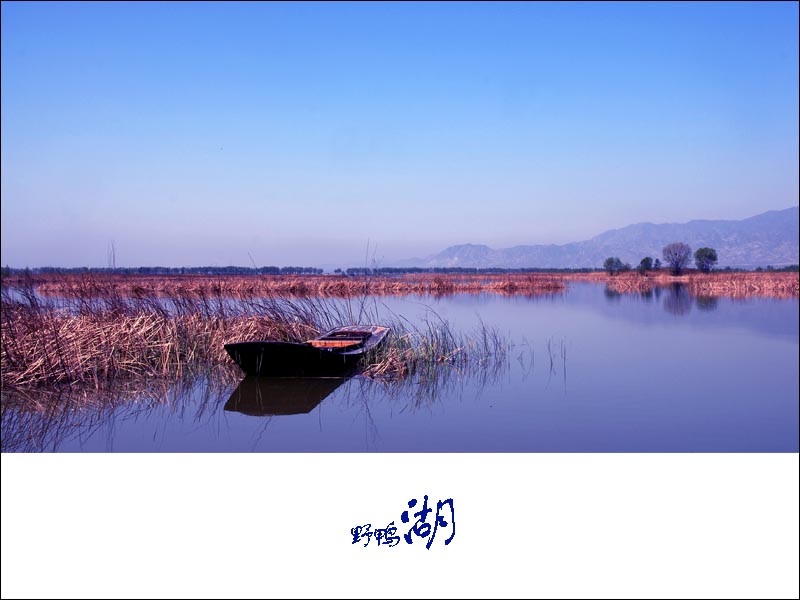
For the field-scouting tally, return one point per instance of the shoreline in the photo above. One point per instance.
(717, 283)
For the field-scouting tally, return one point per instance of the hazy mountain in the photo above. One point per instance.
(770, 238)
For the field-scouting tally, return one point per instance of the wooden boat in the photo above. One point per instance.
(274, 396)
(335, 354)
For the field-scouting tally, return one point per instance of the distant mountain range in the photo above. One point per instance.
(770, 238)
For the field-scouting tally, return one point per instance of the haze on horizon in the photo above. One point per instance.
(303, 134)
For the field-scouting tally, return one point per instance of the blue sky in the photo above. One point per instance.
(195, 134)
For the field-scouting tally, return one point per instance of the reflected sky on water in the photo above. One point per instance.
(590, 370)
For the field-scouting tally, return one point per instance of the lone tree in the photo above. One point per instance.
(613, 265)
(705, 259)
(676, 255)
(645, 265)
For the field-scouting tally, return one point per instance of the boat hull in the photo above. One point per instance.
(286, 359)
(338, 353)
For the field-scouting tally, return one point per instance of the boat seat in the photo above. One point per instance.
(340, 343)
(348, 334)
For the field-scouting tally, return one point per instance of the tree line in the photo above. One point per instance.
(230, 270)
(676, 256)
(366, 271)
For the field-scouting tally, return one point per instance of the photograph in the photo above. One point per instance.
(346, 232)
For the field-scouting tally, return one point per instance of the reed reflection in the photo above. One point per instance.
(213, 405)
(43, 419)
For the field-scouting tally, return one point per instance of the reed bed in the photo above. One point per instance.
(419, 352)
(89, 339)
(254, 286)
(719, 284)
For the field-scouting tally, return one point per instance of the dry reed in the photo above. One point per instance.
(89, 339)
(255, 286)
(717, 284)
(720, 283)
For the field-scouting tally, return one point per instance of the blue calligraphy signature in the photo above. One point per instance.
(420, 528)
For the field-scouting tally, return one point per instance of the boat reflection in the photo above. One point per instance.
(274, 396)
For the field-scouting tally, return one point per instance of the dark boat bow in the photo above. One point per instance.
(337, 353)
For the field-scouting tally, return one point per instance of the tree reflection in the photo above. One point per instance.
(706, 303)
(678, 297)
(677, 301)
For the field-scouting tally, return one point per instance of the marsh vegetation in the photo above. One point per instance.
(95, 333)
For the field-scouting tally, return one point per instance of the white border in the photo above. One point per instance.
(527, 525)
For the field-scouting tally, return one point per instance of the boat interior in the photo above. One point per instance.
(342, 339)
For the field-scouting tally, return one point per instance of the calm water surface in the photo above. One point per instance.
(589, 371)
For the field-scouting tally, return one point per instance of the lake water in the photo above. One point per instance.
(589, 371)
